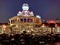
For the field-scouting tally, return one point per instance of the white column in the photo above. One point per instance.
(10, 21)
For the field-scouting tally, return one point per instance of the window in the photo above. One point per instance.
(24, 19)
(21, 20)
(37, 21)
(29, 20)
(11, 21)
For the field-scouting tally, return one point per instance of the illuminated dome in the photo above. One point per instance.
(25, 6)
(38, 16)
(25, 11)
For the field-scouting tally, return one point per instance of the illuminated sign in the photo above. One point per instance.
(51, 21)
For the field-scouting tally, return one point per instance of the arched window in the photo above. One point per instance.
(30, 20)
(24, 19)
(21, 20)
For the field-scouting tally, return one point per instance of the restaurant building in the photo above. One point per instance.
(25, 20)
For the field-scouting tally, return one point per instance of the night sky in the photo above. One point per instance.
(47, 9)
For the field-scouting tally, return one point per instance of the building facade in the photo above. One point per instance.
(25, 20)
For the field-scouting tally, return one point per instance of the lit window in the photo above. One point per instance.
(29, 20)
(13, 21)
(37, 21)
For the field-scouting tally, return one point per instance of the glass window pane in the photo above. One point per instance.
(29, 20)
(21, 20)
(24, 19)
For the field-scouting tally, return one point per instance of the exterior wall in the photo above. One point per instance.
(20, 26)
(16, 21)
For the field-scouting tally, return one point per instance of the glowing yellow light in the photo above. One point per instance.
(11, 24)
(16, 25)
(43, 25)
(32, 30)
(4, 26)
(28, 31)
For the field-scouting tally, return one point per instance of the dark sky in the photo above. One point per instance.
(47, 9)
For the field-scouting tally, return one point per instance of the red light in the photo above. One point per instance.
(51, 21)
(57, 43)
